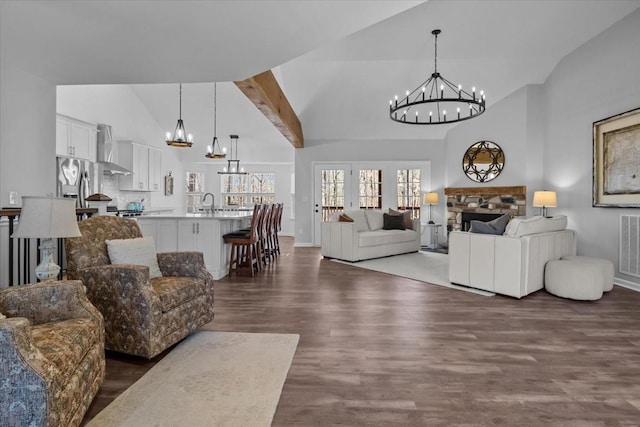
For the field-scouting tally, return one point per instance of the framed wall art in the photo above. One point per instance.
(168, 185)
(616, 160)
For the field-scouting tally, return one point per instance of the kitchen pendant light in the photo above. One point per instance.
(213, 150)
(180, 137)
(431, 100)
(233, 164)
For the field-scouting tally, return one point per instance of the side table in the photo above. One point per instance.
(433, 234)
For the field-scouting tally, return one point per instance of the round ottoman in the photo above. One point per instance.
(573, 279)
(606, 268)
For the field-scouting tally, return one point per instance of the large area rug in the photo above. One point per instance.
(429, 267)
(210, 379)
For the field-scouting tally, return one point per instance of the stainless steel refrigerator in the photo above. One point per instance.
(76, 178)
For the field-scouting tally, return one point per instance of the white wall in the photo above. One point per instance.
(515, 125)
(27, 134)
(598, 80)
(355, 151)
(120, 107)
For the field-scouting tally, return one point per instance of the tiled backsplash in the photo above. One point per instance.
(490, 200)
(121, 198)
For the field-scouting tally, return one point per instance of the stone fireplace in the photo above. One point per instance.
(483, 203)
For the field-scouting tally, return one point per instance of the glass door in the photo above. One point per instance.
(332, 194)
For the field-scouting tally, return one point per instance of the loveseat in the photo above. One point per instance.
(146, 308)
(365, 238)
(51, 353)
(511, 264)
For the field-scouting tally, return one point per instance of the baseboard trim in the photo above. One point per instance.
(627, 284)
(303, 245)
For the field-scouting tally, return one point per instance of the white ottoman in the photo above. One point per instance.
(573, 279)
(606, 268)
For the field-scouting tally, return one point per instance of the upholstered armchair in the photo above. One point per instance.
(51, 353)
(143, 316)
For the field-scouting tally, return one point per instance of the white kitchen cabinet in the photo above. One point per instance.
(145, 163)
(163, 231)
(75, 138)
(197, 235)
(166, 235)
(155, 169)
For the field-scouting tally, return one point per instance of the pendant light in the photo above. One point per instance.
(213, 150)
(233, 164)
(180, 137)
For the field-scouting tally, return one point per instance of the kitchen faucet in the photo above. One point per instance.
(212, 201)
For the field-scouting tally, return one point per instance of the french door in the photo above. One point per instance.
(332, 193)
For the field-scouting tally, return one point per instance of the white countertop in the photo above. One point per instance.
(216, 216)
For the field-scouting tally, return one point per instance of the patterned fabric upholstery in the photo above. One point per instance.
(142, 317)
(52, 353)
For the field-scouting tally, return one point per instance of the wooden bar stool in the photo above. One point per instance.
(244, 245)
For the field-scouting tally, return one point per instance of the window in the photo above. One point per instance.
(194, 190)
(370, 195)
(250, 189)
(409, 191)
(332, 192)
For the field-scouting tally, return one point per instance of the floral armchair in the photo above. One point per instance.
(51, 354)
(143, 316)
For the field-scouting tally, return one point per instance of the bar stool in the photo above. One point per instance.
(244, 245)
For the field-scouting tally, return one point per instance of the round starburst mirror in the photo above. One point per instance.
(483, 161)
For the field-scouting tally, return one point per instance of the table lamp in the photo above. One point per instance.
(47, 218)
(544, 200)
(430, 199)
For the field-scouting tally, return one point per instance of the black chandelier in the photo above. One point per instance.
(180, 137)
(213, 150)
(437, 101)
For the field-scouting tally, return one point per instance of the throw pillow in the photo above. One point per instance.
(393, 222)
(139, 251)
(496, 226)
(406, 217)
(359, 219)
(344, 218)
(374, 219)
(2, 316)
(482, 227)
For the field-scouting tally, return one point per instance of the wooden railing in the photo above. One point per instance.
(21, 252)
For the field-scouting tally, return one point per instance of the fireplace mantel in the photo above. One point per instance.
(484, 200)
(479, 191)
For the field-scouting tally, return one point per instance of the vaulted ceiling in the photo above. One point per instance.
(338, 62)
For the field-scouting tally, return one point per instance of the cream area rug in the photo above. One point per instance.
(429, 267)
(210, 379)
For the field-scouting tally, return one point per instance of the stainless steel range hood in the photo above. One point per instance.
(106, 152)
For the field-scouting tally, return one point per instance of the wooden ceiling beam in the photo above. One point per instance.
(265, 92)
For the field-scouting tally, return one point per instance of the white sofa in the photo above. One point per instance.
(365, 239)
(512, 264)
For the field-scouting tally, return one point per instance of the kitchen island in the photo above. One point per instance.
(196, 232)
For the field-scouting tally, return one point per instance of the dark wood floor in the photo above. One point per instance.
(380, 350)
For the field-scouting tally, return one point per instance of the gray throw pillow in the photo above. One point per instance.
(496, 226)
(393, 222)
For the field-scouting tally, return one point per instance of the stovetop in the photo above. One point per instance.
(123, 212)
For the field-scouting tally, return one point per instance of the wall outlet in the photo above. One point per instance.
(13, 198)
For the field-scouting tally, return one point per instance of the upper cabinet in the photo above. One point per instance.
(75, 138)
(155, 169)
(145, 163)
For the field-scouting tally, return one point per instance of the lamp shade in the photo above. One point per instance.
(430, 199)
(545, 199)
(47, 217)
